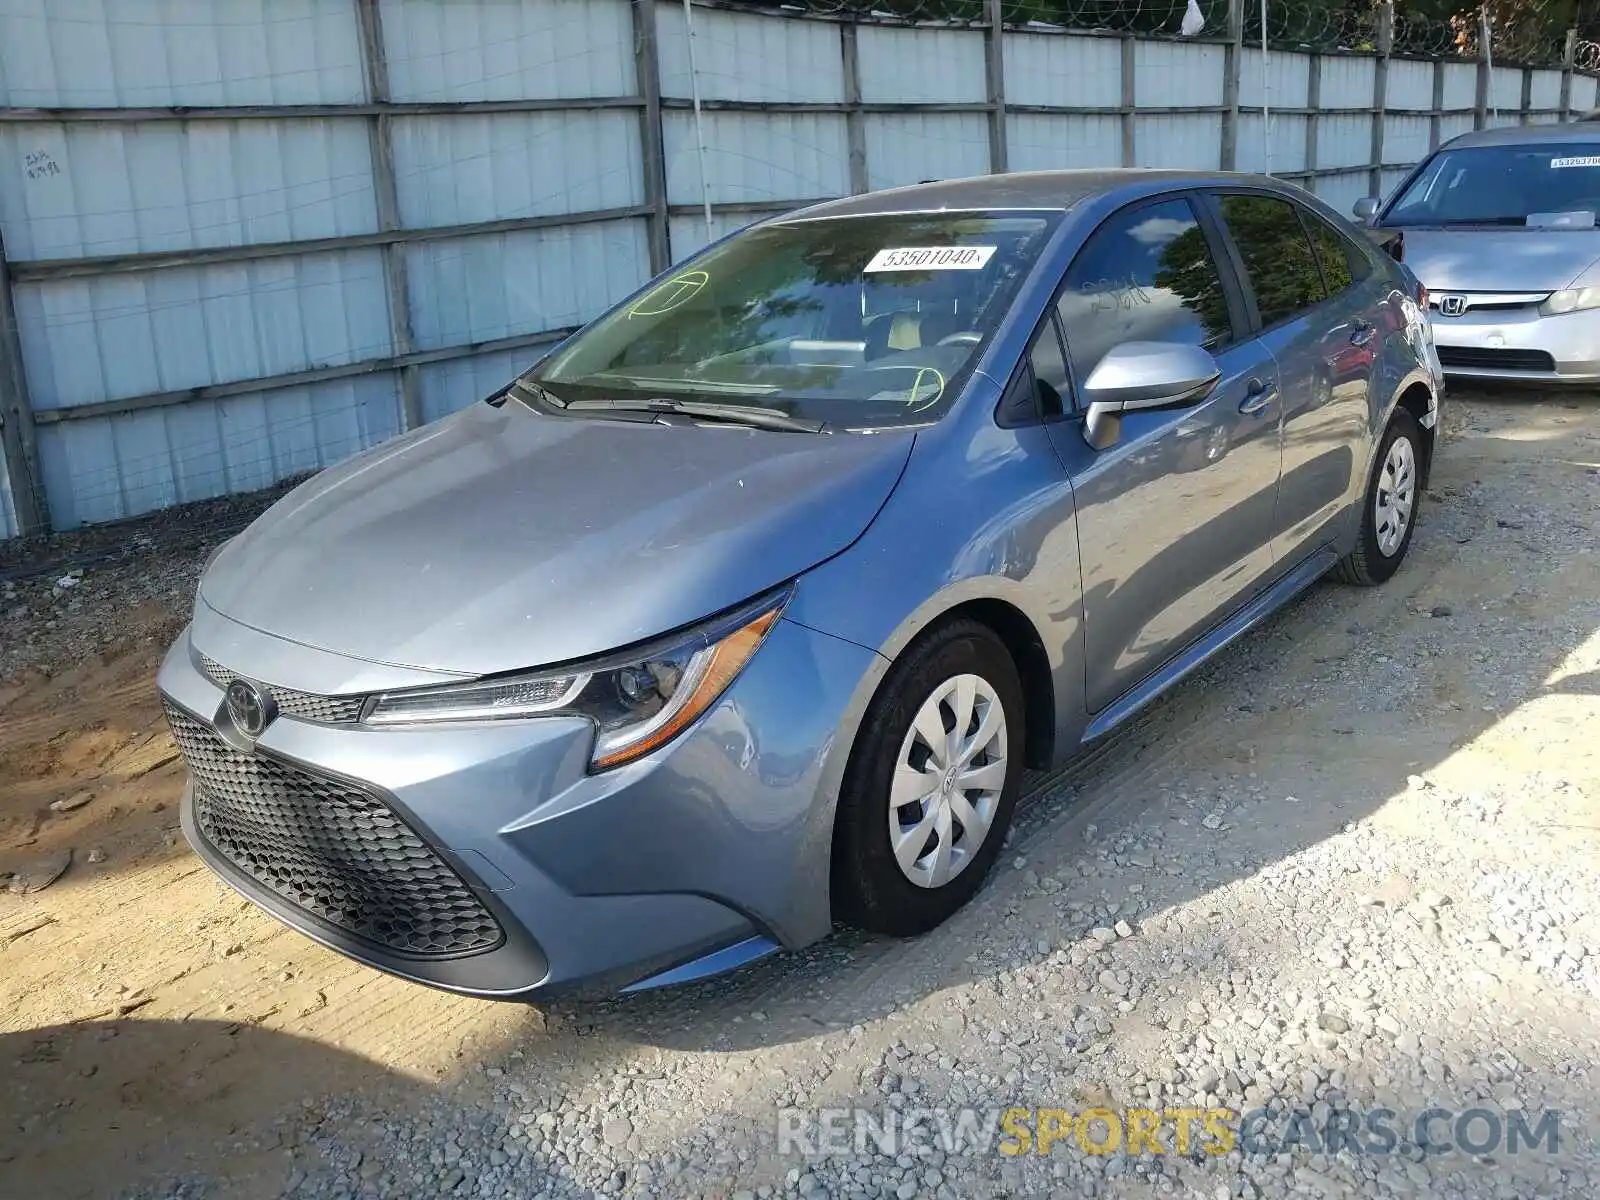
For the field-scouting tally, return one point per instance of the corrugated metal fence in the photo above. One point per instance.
(247, 238)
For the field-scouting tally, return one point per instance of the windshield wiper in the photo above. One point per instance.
(527, 390)
(731, 414)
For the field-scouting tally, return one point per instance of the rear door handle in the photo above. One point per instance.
(1257, 398)
(1362, 334)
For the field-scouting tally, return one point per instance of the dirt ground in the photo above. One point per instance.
(153, 1024)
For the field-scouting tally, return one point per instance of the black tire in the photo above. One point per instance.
(1367, 565)
(870, 891)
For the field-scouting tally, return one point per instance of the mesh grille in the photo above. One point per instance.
(326, 710)
(338, 853)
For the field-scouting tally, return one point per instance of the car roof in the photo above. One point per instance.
(1527, 135)
(1050, 191)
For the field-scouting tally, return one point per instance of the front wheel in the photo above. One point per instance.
(931, 784)
(1389, 509)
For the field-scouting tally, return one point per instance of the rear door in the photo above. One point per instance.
(1175, 519)
(1321, 323)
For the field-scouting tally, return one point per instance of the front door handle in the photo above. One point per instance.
(1362, 334)
(1257, 398)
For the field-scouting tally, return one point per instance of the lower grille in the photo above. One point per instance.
(332, 850)
(1500, 360)
(326, 710)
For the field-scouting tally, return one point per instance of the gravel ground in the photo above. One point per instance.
(1351, 867)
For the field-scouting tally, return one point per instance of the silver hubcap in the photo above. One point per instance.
(947, 781)
(1397, 496)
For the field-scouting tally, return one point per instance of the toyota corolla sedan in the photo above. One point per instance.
(743, 611)
(1500, 226)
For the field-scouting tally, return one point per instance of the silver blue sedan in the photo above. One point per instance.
(744, 610)
(1500, 226)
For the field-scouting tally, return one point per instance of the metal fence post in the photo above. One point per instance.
(1313, 105)
(1232, 65)
(380, 137)
(1569, 59)
(1436, 113)
(994, 34)
(855, 121)
(1130, 102)
(28, 500)
(647, 72)
(1525, 114)
(1380, 95)
(1480, 102)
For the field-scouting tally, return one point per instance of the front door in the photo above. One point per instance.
(1175, 519)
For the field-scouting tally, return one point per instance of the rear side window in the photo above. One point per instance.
(1343, 264)
(1146, 275)
(1278, 259)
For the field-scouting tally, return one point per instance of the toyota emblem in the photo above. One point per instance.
(249, 707)
(1452, 306)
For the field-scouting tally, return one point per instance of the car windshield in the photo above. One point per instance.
(1548, 185)
(855, 322)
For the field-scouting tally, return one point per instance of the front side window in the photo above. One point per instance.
(1551, 184)
(1146, 275)
(1278, 258)
(856, 322)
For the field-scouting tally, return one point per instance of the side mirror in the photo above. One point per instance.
(1143, 375)
(1367, 208)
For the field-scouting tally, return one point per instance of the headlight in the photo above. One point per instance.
(1573, 300)
(638, 700)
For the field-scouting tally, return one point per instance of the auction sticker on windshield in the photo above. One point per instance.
(931, 258)
(1588, 160)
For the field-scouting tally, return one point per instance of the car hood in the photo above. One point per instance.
(1499, 260)
(500, 538)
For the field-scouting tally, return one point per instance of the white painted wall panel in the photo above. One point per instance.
(740, 56)
(689, 234)
(1546, 89)
(1342, 191)
(1288, 143)
(1053, 143)
(70, 191)
(1583, 93)
(1410, 85)
(1347, 82)
(476, 289)
(1051, 69)
(907, 148)
(150, 53)
(1505, 88)
(1344, 140)
(508, 49)
(112, 336)
(448, 387)
(1287, 78)
(937, 66)
(457, 169)
(1405, 139)
(757, 156)
(1185, 142)
(1390, 180)
(115, 467)
(1174, 74)
(1450, 127)
(1460, 85)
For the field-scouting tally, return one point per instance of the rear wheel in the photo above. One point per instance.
(1389, 509)
(931, 785)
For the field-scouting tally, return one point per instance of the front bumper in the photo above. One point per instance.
(698, 858)
(1519, 344)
